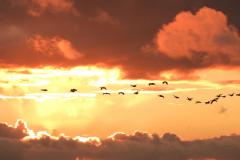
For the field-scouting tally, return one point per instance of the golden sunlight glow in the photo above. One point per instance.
(86, 110)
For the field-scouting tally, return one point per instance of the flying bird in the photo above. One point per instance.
(238, 94)
(208, 102)
(103, 88)
(197, 102)
(44, 90)
(73, 90)
(223, 96)
(122, 93)
(219, 95)
(176, 97)
(106, 93)
(214, 100)
(162, 96)
(231, 94)
(136, 92)
(165, 82)
(151, 84)
(133, 85)
(189, 99)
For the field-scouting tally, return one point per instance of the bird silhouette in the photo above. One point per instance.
(219, 95)
(106, 93)
(189, 99)
(214, 100)
(208, 102)
(197, 102)
(231, 94)
(238, 94)
(103, 88)
(73, 90)
(223, 96)
(136, 92)
(133, 85)
(176, 97)
(122, 93)
(162, 96)
(151, 84)
(165, 82)
(44, 90)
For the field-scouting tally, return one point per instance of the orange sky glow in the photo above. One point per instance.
(119, 80)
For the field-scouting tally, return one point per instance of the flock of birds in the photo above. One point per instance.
(211, 101)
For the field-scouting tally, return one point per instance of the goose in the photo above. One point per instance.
(162, 96)
(73, 90)
(197, 102)
(103, 88)
(106, 93)
(165, 82)
(208, 102)
(151, 84)
(231, 94)
(122, 93)
(176, 97)
(133, 85)
(136, 92)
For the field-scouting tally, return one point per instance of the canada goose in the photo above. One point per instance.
(165, 82)
(106, 93)
(122, 93)
(103, 88)
(238, 94)
(176, 97)
(197, 102)
(133, 85)
(219, 95)
(73, 90)
(162, 96)
(151, 84)
(189, 99)
(44, 90)
(223, 96)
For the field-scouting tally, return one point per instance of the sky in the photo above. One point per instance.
(60, 45)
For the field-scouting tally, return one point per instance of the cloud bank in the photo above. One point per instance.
(21, 143)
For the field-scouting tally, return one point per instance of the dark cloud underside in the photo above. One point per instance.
(109, 32)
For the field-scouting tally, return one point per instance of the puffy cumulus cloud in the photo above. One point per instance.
(204, 34)
(53, 46)
(37, 7)
(119, 146)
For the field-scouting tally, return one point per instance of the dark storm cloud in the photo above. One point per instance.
(110, 33)
(120, 146)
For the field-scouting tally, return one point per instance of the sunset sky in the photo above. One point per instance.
(63, 44)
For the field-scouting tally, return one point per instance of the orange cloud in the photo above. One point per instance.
(55, 45)
(195, 35)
